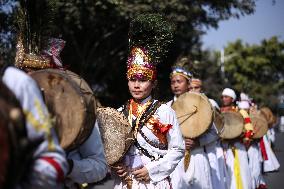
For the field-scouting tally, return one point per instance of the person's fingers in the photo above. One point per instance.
(147, 179)
(123, 175)
(139, 173)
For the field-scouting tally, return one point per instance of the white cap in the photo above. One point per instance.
(229, 92)
(245, 97)
(214, 104)
(243, 104)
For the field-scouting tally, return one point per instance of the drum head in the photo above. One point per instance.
(260, 126)
(69, 99)
(116, 133)
(194, 113)
(233, 125)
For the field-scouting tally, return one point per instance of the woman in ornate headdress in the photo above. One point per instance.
(158, 145)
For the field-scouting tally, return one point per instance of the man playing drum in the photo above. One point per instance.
(196, 173)
(235, 148)
(255, 153)
(213, 150)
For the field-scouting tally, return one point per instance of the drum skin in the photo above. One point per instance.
(70, 100)
(233, 125)
(260, 126)
(194, 113)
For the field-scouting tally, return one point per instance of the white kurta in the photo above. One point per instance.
(43, 173)
(221, 163)
(255, 161)
(271, 135)
(245, 175)
(198, 175)
(159, 170)
(217, 175)
(271, 164)
(89, 161)
(203, 166)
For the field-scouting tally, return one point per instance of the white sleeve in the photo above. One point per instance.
(92, 166)
(161, 169)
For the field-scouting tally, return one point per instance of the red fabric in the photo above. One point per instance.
(165, 128)
(248, 134)
(262, 186)
(247, 120)
(162, 128)
(263, 150)
(60, 173)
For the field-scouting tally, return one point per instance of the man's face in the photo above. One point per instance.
(195, 88)
(179, 85)
(227, 100)
(140, 89)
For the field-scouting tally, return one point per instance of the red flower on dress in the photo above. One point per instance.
(162, 128)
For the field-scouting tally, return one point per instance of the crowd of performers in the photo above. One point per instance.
(157, 158)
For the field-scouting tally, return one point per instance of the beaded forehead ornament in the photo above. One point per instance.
(182, 67)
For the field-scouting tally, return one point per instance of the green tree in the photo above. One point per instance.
(257, 69)
(97, 41)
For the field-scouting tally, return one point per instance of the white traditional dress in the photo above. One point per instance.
(215, 156)
(222, 163)
(238, 167)
(255, 161)
(238, 172)
(271, 135)
(271, 163)
(89, 163)
(159, 158)
(198, 173)
(49, 163)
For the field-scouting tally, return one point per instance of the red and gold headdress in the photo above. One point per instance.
(150, 37)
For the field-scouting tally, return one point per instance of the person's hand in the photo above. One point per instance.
(190, 143)
(120, 170)
(142, 174)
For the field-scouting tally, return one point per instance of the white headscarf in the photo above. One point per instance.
(229, 92)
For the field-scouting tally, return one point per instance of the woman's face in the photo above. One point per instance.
(140, 89)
